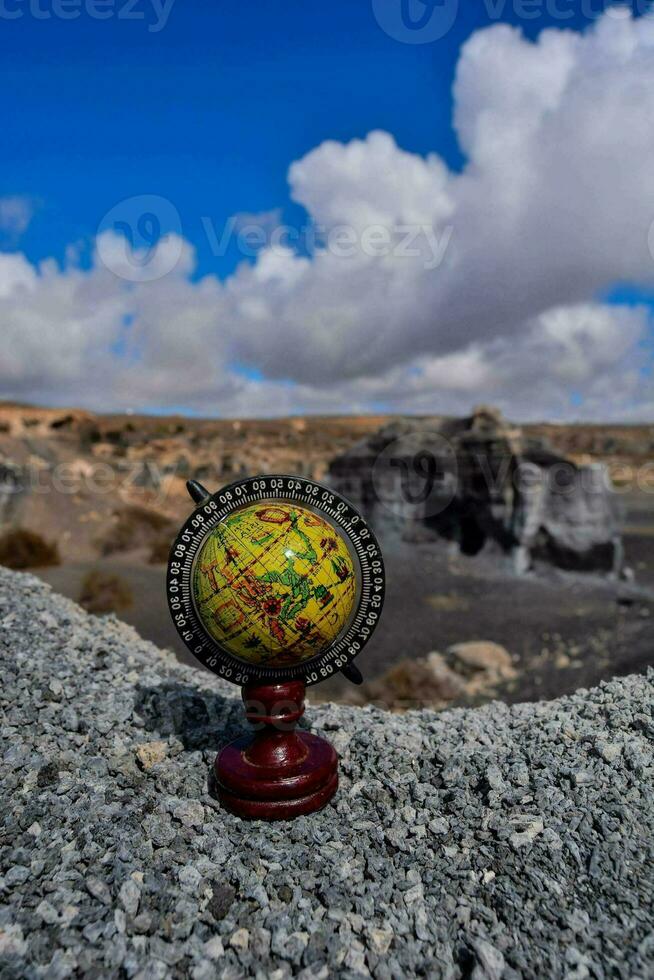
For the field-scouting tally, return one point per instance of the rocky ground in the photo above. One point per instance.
(502, 842)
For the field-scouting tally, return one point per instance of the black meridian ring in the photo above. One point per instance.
(340, 513)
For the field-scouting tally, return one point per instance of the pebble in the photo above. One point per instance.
(491, 844)
(380, 940)
(439, 826)
(130, 896)
(240, 940)
(189, 878)
(56, 688)
(151, 754)
(610, 751)
(190, 813)
(98, 889)
(490, 961)
(214, 948)
(528, 828)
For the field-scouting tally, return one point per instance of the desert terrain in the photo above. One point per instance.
(105, 495)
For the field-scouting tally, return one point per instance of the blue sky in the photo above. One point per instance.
(210, 110)
(521, 157)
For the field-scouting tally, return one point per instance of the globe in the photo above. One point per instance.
(275, 584)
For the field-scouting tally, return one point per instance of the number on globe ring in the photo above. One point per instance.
(275, 578)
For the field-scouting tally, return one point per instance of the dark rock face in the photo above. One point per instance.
(478, 482)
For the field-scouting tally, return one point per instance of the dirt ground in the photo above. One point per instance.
(563, 631)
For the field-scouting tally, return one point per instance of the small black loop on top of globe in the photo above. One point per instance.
(275, 578)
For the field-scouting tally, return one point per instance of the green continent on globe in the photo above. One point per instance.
(274, 584)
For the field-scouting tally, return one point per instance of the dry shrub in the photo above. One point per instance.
(135, 527)
(20, 548)
(161, 549)
(103, 592)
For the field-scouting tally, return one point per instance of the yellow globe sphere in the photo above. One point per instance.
(275, 584)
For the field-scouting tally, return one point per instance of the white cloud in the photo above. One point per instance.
(16, 273)
(371, 182)
(172, 255)
(555, 206)
(15, 215)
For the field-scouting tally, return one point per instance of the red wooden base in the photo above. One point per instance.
(276, 773)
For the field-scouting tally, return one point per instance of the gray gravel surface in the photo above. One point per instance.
(494, 843)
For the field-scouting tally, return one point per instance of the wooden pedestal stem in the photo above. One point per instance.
(277, 773)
